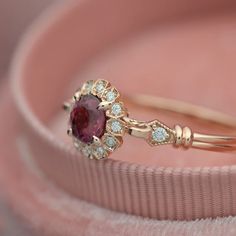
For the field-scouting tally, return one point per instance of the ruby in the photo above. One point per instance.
(86, 120)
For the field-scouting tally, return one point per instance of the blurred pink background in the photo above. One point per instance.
(15, 16)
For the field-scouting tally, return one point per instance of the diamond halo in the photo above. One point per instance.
(102, 146)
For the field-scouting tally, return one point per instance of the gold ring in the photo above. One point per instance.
(99, 120)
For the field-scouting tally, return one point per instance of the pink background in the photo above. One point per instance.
(201, 44)
(15, 16)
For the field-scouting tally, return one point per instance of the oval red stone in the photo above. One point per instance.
(86, 120)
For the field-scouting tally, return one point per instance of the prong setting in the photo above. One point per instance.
(77, 95)
(96, 140)
(69, 132)
(66, 106)
(104, 105)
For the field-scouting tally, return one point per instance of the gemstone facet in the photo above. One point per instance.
(86, 151)
(86, 120)
(88, 86)
(100, 152)
(116, 127)
(100, 86)
(159, 134)
(110, 96)
(110, 142)
(116, 109)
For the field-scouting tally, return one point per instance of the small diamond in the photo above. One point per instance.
(110, 96)
(100, 152)
(110, 142)
(88, 86)
(116, 126)
(86, 151)
(100, 86)
(159, 134)
(116, 109)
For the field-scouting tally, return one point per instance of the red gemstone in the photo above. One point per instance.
(86, 120)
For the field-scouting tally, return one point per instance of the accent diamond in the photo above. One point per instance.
(110, 96)
(159, 134)
(88, 86)
(100, 152)
(116, 126)
(110, 142)
(100, 86)
(116, 109)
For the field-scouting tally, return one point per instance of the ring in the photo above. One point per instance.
(98, 121)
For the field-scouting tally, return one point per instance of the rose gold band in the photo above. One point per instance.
(184, 136)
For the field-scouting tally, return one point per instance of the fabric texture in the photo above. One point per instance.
(40, 207)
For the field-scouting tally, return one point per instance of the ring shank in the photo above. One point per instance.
(219, 143)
